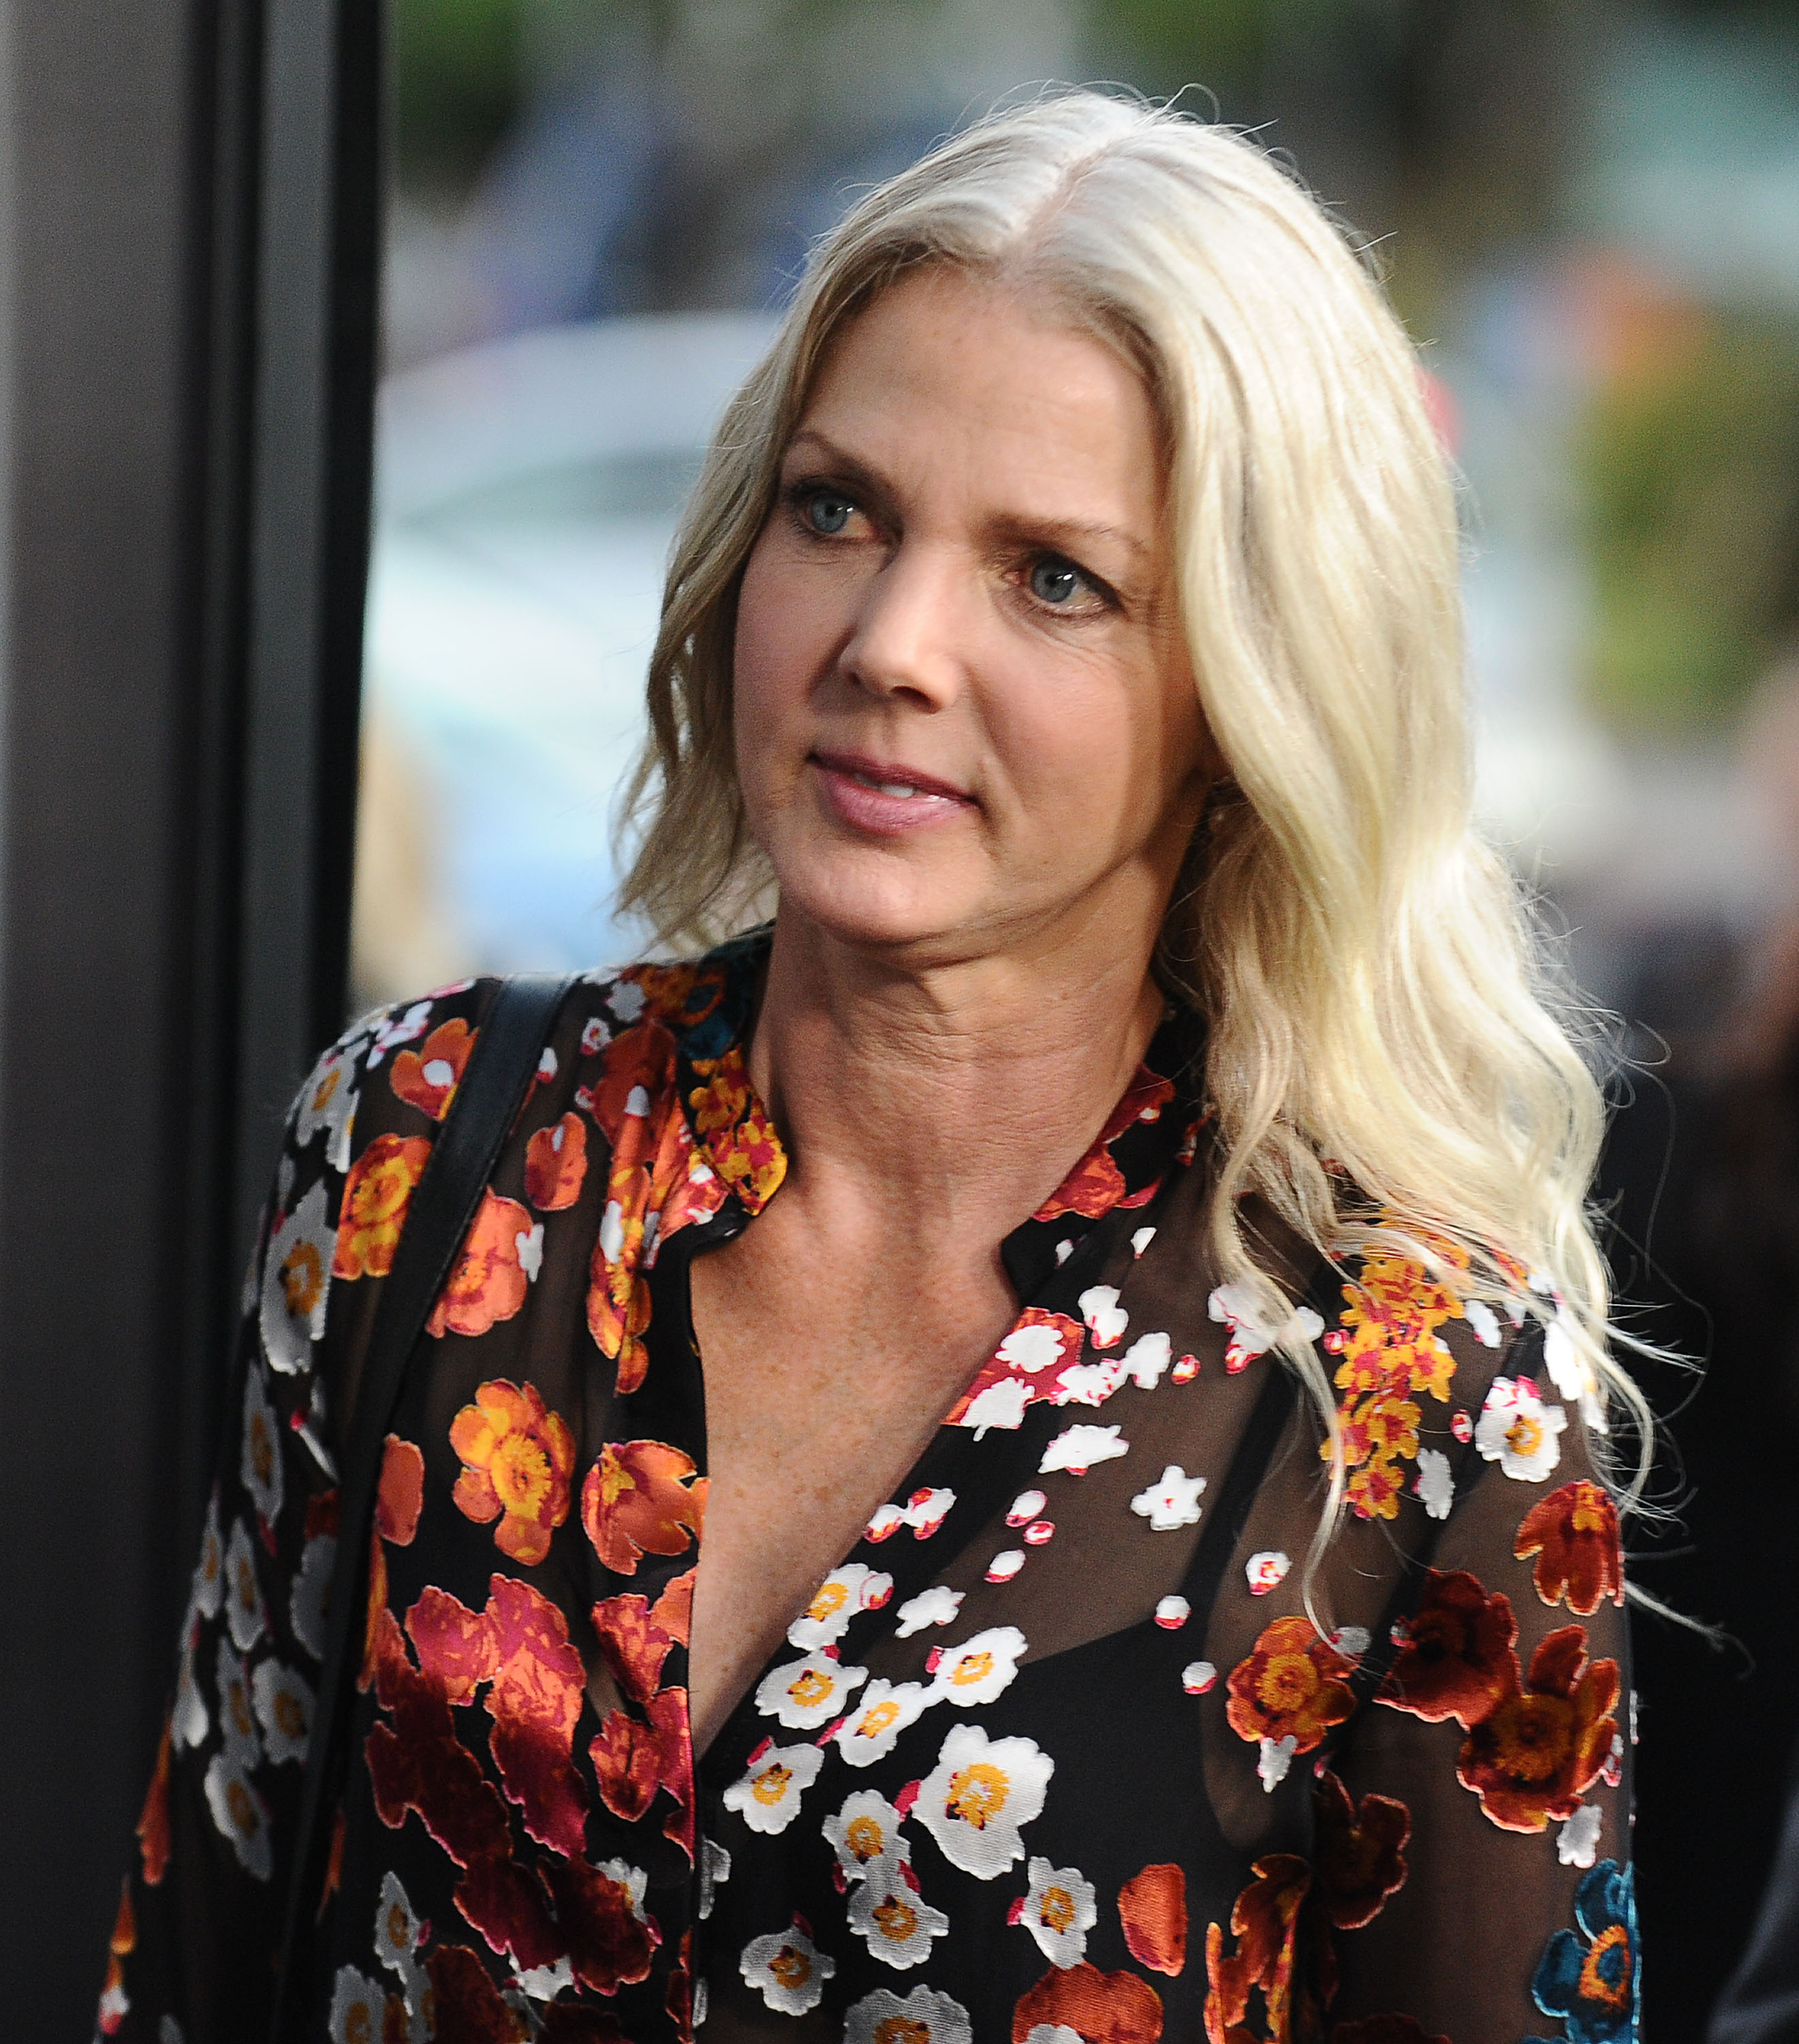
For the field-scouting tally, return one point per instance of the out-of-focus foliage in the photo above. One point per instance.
(456, 84)
(1690, 470)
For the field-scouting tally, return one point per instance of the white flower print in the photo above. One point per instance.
(1198, 1677)
(1518, 1432)
(853, 1588)
(241, 1816)
(237, 1712)
(397, 1933)
(1434, 1485)
(1031, 1348)
(1005, 1565)
(978, 1797)
(1237, 1307)
(1140, 1239)
(1577, 1843)
(259, 1464)
(243, 1600)
(208, 1571)
(865, 1833)
(393, 1030)
(803, 1695)
(1267, 1570)
(1027, 1505)
(873, 1726)
(925, 2016)
(926, 1510)
(1088, 1383)
(358, 2008)
(1003, 1405)
(1275, 1757)
(1058, 1910)
(626, 1001)
(1484, 1322)
(284, 1709)
(1172, 1612)
(545, 1983)
(1571, 1372)
(1173, 1502)
(789, 1969)
(306, 1603)
(529, 1242)
(715, 1871)
(981, 1668)
(1351, 1641)
(189, 1721)
(296, 1283)
(327, 1102)
(1080, 1448)
(887, 1912)
(1106, 1319)
(634, 1880)
(768, 1796)
(937, 1605)
(1145, 1360)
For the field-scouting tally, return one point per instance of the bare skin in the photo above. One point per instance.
(966, 590)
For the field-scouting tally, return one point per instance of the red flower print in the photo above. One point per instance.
(627, 1761)
(609, 1946)
(376, 1196)
(1540, 1748)
(113, 2006)
(1034, 1353)
(1574, 1533)
(456, 1647)
(1266, 1922)
(401, 1496)
(739, 1137)
(1360, 1858)
(1385, 2029)
(1099, 2008)
(632, 1096)
(534, 1702)
(555, 1166)
(517, 1461)
(488, 1282)
(634, 1646)
(1291, 1685)
(1153, 1909)
(641, 1497)
(427, 1078)
(1096, 1185)
(466, 2004)
(674, 1608)
(1457, 1661)
(153, 1832)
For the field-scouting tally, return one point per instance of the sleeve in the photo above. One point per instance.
(1448, 1696)
(194, 1951)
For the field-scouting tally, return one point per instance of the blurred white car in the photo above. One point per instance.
(527, 493)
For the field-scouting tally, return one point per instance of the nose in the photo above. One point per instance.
(914, 627)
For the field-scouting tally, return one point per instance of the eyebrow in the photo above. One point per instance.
(1070, 531)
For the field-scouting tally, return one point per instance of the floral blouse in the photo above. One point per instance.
(1055, 1754)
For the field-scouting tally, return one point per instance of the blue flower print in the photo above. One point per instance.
(1593, 1980)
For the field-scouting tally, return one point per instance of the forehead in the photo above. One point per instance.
(949, 374)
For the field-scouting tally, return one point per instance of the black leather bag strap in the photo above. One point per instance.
(508, 1048)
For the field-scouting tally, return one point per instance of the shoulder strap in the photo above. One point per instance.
(508, 1044)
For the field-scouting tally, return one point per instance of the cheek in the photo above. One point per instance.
(775, 655)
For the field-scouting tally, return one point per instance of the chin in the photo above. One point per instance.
(879, 912)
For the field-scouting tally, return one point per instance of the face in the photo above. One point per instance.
(965, 715)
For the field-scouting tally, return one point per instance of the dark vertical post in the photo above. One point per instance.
(188, 228)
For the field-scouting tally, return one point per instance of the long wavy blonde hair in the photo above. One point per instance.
(1384, 1054)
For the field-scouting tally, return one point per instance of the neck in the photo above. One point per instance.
(961, 1091)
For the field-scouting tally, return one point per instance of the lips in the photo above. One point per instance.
(884, 798)
(898, 782)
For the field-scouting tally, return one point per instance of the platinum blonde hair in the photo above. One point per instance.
(1384, 1059)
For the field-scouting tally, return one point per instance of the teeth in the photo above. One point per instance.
(903, 788)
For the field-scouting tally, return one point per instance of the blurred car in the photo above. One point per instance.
(526, 494)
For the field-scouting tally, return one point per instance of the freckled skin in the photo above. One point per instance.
(968, 575)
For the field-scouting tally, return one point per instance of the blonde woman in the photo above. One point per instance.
(1015, 1451)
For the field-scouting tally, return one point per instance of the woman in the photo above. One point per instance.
(1155, 1577)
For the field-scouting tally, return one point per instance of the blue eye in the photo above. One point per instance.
(1055, 581)
(827, 512)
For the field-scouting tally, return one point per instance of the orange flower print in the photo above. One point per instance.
(1359, 1859)
(1291, 1686)
(115, 2003)
(1265, 1920)
(500, 1256)
(738, 1134)
(1537, 1752)
(1096, 1185)
(517, 1460)
(376, 1196)
(641, 1497)
(634, 1644)
(402, 1495)
(456, 1647)
(1152, 1909)
(1099, 2008)
(427, 1078)
(154, 1835)
(1457, 1660)
(1574, 1533)
(556, 1165)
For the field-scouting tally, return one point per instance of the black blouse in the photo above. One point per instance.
(1056, 1753)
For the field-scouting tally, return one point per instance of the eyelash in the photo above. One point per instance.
(798, 495)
